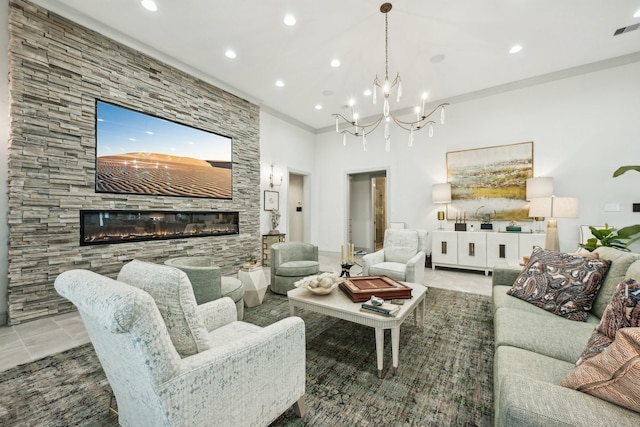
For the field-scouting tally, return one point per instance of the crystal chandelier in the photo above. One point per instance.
(422, 118)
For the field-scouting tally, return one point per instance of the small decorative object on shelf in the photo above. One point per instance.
(253, 259)
(275, 221)
(513, 227)
(461, 222)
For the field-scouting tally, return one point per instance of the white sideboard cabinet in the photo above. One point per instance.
(481, 250)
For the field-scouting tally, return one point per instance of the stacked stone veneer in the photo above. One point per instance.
(57, 69)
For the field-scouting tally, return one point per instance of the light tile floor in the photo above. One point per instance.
(33, 340)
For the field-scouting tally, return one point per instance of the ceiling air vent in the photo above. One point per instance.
(626, 29)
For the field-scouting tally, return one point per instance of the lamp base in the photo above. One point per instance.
(552, 241)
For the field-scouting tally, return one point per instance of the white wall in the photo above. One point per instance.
(582, 127)
(290, 149)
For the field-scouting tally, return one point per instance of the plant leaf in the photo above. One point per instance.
(623, 169)
(629, 230)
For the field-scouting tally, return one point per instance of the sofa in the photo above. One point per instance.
(536, 349)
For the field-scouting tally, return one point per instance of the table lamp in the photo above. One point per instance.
(441, 194)
(553, 207)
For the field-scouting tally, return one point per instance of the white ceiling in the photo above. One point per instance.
(473, 35)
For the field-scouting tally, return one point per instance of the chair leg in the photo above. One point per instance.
(300, 408)
(111, 405)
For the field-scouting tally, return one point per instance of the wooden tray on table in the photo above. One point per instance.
(362, 288)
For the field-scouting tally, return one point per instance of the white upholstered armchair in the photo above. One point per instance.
(401, 258)
(171, 362)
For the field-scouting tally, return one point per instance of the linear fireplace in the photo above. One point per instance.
(98, 227)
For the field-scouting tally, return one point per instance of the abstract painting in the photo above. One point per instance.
(490, 180)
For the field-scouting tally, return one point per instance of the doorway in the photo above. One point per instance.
(367, 210)
(295, 211)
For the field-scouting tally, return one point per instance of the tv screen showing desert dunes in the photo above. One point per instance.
(141, 154)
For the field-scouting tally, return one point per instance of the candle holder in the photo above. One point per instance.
(346, 269)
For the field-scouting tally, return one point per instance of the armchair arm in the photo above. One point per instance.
(264, 370)
(415, 268)
(371, 259)
(218, 313)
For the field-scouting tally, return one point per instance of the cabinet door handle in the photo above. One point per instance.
(472, 249)
(443, 248)
(501, 251)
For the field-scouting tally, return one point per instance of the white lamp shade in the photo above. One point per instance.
(539, 187)
(553, 207)
(441, 193)
(540, 207)
(564, 207)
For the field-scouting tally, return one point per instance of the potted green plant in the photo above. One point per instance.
(610, 236)
(253, 259)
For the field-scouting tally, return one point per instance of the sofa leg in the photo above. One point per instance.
(300, 408)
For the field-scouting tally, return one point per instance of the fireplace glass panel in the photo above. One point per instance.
(108, 227)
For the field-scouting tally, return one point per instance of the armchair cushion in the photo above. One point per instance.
(172, 293)
(400, 245)
(297, 268)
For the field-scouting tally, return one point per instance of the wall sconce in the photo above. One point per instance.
(271, 184)
(441, 193)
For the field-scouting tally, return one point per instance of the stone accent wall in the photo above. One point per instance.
(57, 69)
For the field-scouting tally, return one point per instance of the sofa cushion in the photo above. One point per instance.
(614, 374)
(527, 393)
(620, 263)
(622, 312)
(172, 293)
(549, 335)
(500, 298)
(560, 283)
(400, 245)
(297, 268)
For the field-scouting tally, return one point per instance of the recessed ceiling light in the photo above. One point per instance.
(290, 20)
(367, 92)
(637, 14)
(150, 5)
(279, 83)
(437, 58)
(515, 48)
(318, 107)
(335, 63)
(230, 54)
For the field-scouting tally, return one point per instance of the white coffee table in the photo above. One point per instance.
(338, 304)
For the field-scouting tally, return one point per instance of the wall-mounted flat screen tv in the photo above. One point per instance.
(137, 153)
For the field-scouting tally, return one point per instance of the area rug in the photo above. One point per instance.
(444, 375)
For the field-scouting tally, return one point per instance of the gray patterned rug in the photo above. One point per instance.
(444, 377)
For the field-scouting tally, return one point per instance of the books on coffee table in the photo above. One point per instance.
(362, 288)
(386, 309)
